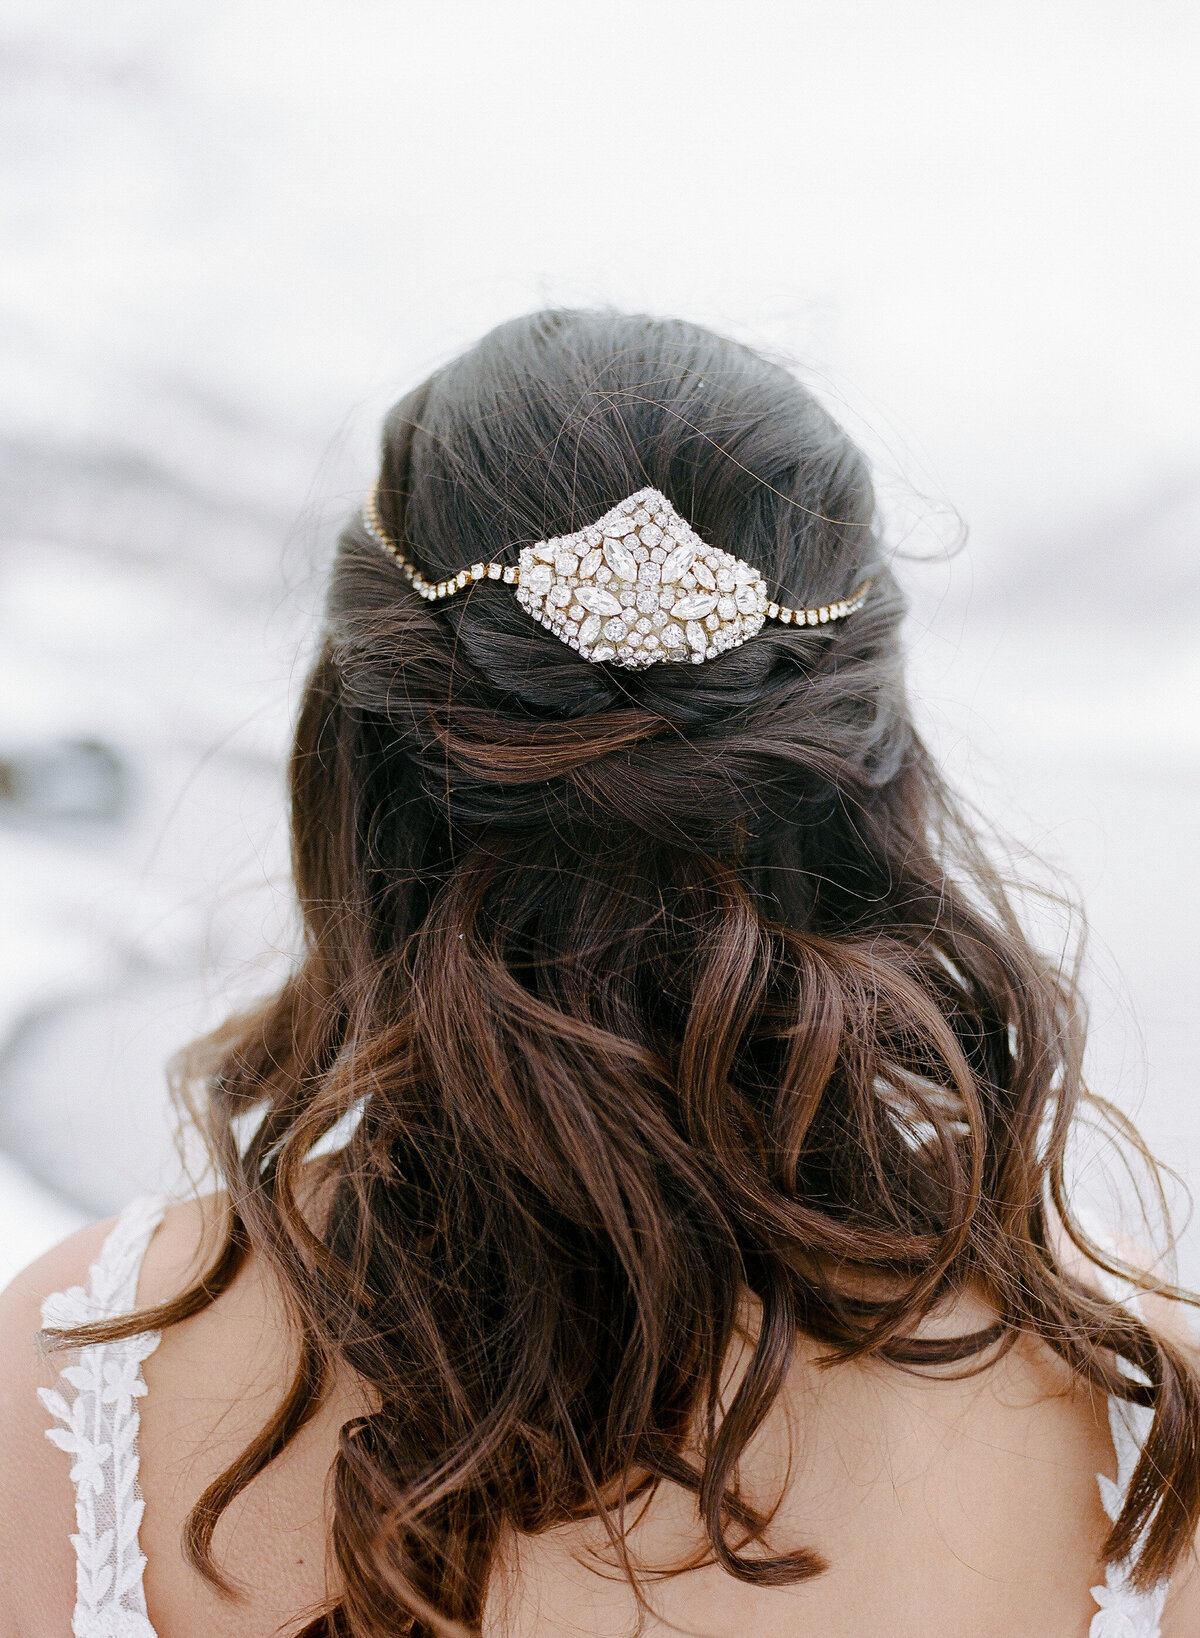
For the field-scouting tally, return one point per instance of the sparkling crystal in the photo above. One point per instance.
(597, 601)
(697, 637)
(602, 652)
(742, 572)
(651, 534)
(539, 580)
(658, 555)
(651, 641)
(643, 626)
(647, 600)
(575, 613)
(622, 524)
(641, 516)
(672, 637)
(726, 607)
(695, 606)
(590, 563)
(713, 622)
(603, 575)
(649, 574)
(746, 598)
(635, 639)
(725, 580)
(565, 563)
(590, 629)
(546, 552)
(689, 581)
(620, 560)
(628, 598)
(559, 595)
(704, 576)
(677, 562)
(615, 629)
(658, 618)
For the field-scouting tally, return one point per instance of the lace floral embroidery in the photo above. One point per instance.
(99, 1432)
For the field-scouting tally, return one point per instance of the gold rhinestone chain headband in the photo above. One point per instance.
(637, 588)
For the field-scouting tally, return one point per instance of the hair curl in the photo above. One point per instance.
(649, 989)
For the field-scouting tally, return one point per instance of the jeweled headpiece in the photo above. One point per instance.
(634, 589)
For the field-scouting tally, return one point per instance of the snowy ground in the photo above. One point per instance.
(233, 233)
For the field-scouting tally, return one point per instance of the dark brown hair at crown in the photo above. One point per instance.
(649, 990)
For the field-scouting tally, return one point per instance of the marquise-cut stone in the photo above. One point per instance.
(746, 599)
(590, 563)
(597, 601)
(602, 652)
(620, 560)
(695, 606)
(697, 637)
(704, 576)
(678, 562)
(590, 629)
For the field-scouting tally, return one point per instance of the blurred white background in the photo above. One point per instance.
(232, 233)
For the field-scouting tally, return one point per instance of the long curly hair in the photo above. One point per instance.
(646, 991)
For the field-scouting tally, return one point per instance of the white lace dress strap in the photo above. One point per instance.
(1125, 1612)
(100, 1429)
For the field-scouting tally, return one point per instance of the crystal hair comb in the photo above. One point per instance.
(634, 589)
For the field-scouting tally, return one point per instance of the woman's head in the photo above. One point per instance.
(506, 733)
(648, 990)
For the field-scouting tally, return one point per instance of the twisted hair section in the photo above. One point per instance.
(650, 992)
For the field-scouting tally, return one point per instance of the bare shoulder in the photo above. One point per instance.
(1176, 1323)
(36, 1508)
(37, 1516)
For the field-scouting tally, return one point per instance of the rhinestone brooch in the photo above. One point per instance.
(640, 587)
(635, 589)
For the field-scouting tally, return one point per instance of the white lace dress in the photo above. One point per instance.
(99, 1429)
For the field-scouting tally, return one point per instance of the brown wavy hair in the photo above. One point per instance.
(647, 990)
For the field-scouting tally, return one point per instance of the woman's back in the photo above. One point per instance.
(964, 1506)
(698, 1115)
